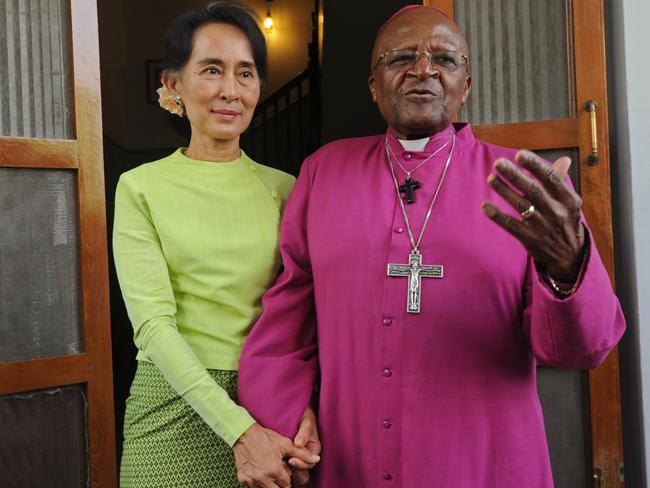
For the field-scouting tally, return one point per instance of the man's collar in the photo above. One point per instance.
(418, 148)
(416, 145)
(464, 135)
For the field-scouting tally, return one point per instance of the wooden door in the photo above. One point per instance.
(536, 65)
(56, 397)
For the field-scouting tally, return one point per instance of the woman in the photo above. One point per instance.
(195, 244)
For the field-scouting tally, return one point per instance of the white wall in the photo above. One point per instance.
(629, 83)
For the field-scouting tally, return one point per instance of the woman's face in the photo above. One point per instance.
(219, 85)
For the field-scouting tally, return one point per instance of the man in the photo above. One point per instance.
(415, 319)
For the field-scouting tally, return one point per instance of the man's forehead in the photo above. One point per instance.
(407, 8)
(419, 26)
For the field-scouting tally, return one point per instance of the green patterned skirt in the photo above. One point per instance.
(166, 443)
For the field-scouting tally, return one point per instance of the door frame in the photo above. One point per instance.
(84, 155)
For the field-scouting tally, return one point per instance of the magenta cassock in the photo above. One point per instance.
(441, 399)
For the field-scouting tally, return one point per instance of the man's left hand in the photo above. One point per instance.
(307, 436)
(549, 228)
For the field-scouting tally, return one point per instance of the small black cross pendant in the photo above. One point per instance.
(408, 189)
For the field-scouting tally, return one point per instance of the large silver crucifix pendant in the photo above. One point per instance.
(415, 271)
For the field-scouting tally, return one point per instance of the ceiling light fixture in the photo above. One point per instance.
(268, 20)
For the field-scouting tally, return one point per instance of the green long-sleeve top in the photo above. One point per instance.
(195, 245)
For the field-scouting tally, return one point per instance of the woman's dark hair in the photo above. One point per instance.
(179, 39)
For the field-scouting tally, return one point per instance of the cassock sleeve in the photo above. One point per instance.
(579, 331)
(147, 291)
(279, 364)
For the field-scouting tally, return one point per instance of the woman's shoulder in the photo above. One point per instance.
(146, 171)
(273, 177)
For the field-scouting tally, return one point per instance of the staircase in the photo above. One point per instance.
(286, 127)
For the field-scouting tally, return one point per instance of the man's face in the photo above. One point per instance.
(419, 99)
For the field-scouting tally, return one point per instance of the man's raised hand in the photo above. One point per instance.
(549, 228)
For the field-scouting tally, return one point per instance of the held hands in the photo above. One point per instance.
(550, 227)
(307, 436)
(260, 454)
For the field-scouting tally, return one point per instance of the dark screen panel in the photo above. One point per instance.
(43, 440)
(565, 402)
(574, 171)
(39, 264)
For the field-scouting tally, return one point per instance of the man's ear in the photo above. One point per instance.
(468, 85)
(371, 85)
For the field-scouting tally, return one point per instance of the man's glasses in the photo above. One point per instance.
(407, 58)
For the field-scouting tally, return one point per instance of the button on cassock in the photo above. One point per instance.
(387, 321)
(408, 156)
(388, 373)
(387, 476)
(387, 424)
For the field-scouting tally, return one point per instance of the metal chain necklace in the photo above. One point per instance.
(409, 173)
(415, 270)
(409, 186)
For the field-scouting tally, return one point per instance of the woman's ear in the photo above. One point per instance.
(171, 81)
(169, 94)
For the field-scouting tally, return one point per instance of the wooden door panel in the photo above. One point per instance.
(72, 148)
(585, 67)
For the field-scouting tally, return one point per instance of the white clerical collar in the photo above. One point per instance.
(416, 145)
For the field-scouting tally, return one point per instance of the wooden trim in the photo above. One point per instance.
(446, 5)
(543, 134)
(604, 395)
(93, 244)
(589, 38)
(23, 152)
(39, 374)
(591, 85)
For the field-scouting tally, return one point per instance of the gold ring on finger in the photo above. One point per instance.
(528, 213)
